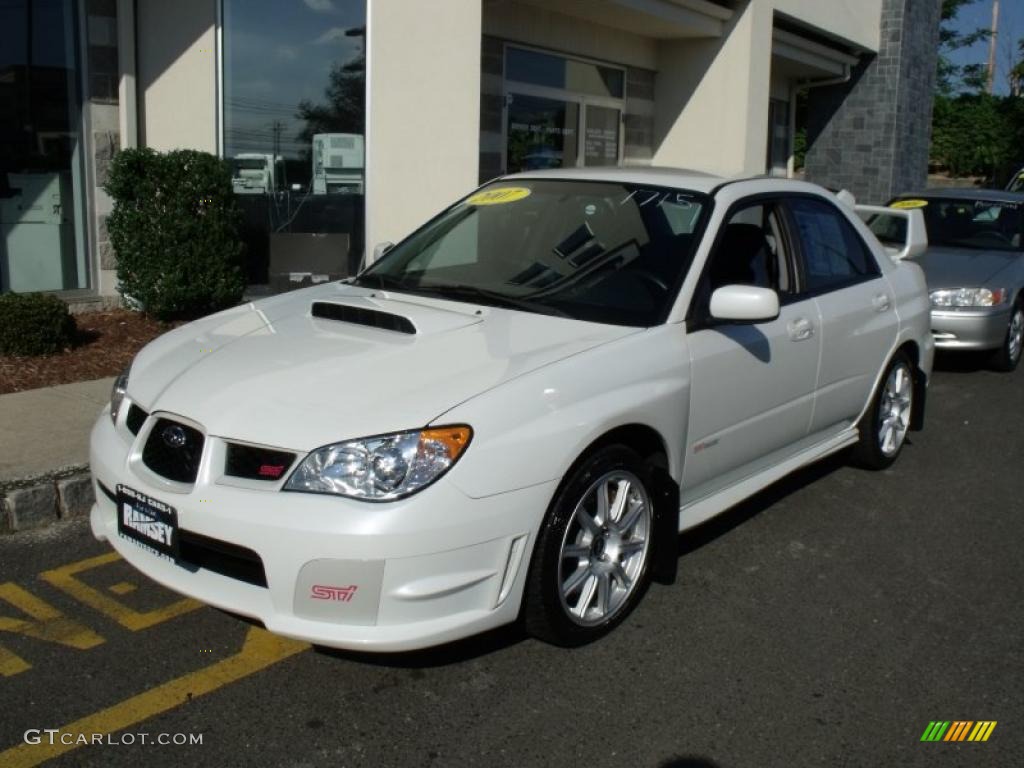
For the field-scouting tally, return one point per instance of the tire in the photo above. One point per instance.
(592, 561)
(883, 429)
(1007, 357)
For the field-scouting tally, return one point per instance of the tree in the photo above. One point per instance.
(953, 77)
(345, 108)
(1017, 72)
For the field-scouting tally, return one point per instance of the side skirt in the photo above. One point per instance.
(700, 510)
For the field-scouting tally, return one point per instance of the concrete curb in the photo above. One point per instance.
(40, 500)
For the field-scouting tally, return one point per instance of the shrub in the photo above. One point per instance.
(34, 324)
(175, 230)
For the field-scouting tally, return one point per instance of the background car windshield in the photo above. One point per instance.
(599, 251)
(990, 225)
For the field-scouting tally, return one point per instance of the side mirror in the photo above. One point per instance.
(381, 248)
(744, 304)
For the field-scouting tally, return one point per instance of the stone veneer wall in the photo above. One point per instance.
(639, 117)
(872, 135)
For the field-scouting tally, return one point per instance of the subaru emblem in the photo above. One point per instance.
(174, 436)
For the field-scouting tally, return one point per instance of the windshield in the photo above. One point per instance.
(599, 251)
(991, 225)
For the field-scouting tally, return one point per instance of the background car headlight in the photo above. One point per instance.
(117, 393)
(384, 467)
(968, 297)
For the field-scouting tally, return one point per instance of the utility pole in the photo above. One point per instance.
(992, 46)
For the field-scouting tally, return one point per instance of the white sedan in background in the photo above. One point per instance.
(515, 411)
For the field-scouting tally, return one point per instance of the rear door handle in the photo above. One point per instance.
(881, 302)
(800, 329)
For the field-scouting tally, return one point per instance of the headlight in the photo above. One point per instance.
(384, 467)
(117, 393)
(968, 297)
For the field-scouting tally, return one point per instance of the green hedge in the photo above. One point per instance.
(34, 324)
(174, 228)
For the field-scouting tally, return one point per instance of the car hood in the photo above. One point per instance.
(270, 372)
(963, 267)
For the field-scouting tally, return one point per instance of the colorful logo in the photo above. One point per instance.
(958, 730)
(328, 592)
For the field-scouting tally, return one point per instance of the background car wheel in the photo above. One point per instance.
(883, 430)
(1007, 357)
(592, 561)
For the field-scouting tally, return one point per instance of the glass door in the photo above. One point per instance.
(41, 232)
(601, 135)
(542, 133)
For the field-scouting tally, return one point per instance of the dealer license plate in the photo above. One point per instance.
(147, 522)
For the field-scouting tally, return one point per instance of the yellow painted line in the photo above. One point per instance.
(122, 588)
(260, 650)
(63, 578)
(988, 731)
(978, 728)
(47, 623)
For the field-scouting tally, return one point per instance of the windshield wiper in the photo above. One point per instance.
(483, 296)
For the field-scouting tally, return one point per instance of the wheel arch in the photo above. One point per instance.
(652, 447)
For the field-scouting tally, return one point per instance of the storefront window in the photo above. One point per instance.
(294, 128)
(778, 138)
(561, 112)
(41, 238)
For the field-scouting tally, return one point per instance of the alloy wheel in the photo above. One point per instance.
(894, 410)
(605, 548)
(1015, 336)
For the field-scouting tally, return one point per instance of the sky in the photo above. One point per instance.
(277, 53)
(1011, 30)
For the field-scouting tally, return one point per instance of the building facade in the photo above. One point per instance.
(349, 122)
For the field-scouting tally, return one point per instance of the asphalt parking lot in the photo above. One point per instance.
(825, 622)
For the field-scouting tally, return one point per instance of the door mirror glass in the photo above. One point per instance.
(744, 304)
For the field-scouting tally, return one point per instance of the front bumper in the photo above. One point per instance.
(970, 329)
(432, 568)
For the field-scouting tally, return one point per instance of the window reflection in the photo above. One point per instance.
(294, 123)
(41, 244)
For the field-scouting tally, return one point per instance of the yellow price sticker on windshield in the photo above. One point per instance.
(498, 196)
(904, 204)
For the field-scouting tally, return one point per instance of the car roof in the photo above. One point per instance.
(681, 178)
(969, 193)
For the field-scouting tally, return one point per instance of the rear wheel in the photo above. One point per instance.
(592, 561)
(884, 427)
(1007, 357)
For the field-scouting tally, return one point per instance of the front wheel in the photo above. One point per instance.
(1007, 357)
(883, 429)
(592, 561)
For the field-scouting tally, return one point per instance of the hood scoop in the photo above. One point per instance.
(373, 318)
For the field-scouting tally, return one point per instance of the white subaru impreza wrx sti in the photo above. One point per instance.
(514, 412)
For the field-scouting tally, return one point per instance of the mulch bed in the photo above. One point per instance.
(105, 345)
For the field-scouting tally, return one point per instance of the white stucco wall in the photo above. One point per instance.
(857, 21)
(423, 121)
(176, 67)
(547, 28)
(711, 97)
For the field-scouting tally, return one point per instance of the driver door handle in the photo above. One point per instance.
(800, 329)
(881, 302)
